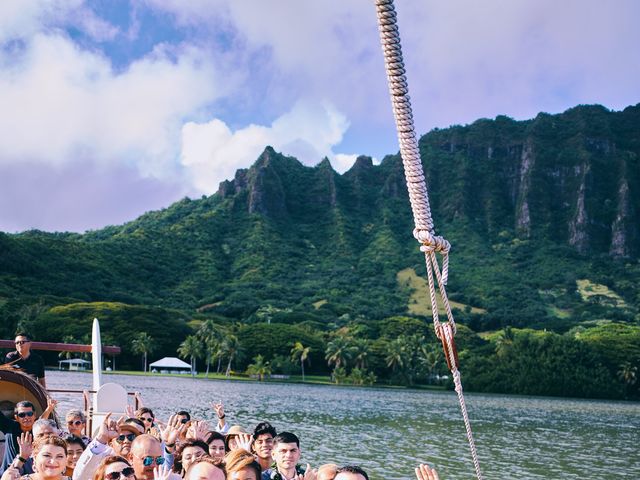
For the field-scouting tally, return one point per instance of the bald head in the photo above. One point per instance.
(145, 447)
(143, 441)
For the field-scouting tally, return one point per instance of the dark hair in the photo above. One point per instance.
(211, 436)
(262, 428)
(189, 442)
(142, 410)
(286, 437)
(74, 439)
(24, 404)
(239, 460)
(353, 469)
(23, 334)
(136, 421)
(185, 413)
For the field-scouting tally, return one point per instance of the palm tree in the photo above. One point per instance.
(67, 339)
(395, 354)
(338, 352)
(210, 333)
(300, 352)
(259, 367)
(628, 374)
(360, 352)
(143, 344)
(232, 349)
(430, 357)
(192, 348)
(504, 341)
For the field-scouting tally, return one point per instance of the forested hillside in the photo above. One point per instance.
(543, 216)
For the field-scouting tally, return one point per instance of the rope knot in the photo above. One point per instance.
(434, 243)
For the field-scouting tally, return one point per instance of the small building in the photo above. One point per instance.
(170, 365)
(74, 364)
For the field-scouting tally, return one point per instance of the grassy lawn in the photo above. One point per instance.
(309, 379)
(420, 301)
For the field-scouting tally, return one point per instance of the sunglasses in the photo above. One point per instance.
(183, 420)
(129, 436)
(25, 414)
(147, 461)
(76, 423)
(146, 419)
(126, 472)
(22, 342)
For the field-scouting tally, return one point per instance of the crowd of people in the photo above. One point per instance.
(138, 446)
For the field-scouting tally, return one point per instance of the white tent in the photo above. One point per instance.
(170, 363)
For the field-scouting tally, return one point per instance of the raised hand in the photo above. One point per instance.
(172, 430)
(198, 430)
(108, 429)
(310, 473)
(51, 406)
(244, 440)
(219, 408)
(129, 411)
(425, 472)
(161, 472)
(25, 442)
(11, 473)
(138, 398)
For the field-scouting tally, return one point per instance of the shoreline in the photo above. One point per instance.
(293, 379)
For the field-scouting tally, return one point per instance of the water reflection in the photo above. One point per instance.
(389, 431)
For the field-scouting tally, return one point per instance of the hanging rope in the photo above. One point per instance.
(419, 199)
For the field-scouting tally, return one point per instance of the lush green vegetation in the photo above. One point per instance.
(290, 268)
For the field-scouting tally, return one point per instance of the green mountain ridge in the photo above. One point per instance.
(542, 214)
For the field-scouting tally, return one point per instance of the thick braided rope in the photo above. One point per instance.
(448, 334)
(418, 195)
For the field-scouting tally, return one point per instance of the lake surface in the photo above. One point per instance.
(389, 431)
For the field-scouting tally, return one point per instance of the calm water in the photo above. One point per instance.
(390, 431)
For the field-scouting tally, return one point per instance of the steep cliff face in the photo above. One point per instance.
(572, 177)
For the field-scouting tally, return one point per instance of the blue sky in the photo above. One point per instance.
(111, 108)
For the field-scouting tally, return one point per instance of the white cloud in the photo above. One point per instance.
(212, 152)
(465, 59)
(61, 103)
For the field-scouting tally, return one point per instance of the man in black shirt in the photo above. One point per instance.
(22, 358)
(24, 415)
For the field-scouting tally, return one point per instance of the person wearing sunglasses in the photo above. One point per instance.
(24, 415)
(113, 438)
(146, 416)
(147, 454)
(114, 467)
(25, 360)
(76, 423)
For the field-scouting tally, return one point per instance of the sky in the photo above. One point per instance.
(111, 108)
